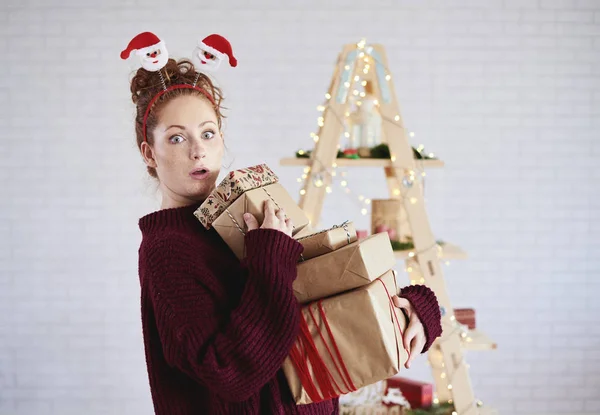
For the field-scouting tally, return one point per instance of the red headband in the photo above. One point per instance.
(171, 88)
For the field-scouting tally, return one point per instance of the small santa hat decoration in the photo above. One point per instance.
(211, 50)
(151, 51)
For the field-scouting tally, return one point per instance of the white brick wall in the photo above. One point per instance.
(506, 92)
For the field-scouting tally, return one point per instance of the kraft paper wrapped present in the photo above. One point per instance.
(344, 269)
(328, 240)
(231, 187)
(347, 342)
(230, 225)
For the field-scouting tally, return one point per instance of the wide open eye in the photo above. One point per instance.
(174, 136)
(207, 135)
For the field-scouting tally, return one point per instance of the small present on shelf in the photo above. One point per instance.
(231, 187)
(230, 225)
(323, 242)
(344, 269)
(465, 316)
(346, 342)
(418, 394)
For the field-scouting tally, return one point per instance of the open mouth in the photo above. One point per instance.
(200, 174)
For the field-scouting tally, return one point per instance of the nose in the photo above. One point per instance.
(197, 150)
(153, 54)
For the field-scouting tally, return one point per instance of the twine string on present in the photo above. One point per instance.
(304, 354)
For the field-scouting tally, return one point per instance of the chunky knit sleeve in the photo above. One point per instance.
(234, 352)
(425, 304)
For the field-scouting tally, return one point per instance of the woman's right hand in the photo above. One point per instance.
(273, 220)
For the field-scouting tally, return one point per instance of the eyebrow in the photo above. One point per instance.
(183, 128)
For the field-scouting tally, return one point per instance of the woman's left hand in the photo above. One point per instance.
(414, 336)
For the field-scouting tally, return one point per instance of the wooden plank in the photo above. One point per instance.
(365, 162)
(447, 251)
(476, 340)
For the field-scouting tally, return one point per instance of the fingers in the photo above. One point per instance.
(289, 226)
(400, 302)
(269, 209)
(413, 339)
(251, 221)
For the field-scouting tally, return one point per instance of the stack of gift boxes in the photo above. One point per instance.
(350, 333)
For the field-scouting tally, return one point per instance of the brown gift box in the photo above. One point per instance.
(231, 225)
(366, 329)
(344, 269)
(231, 187)
(329, 240)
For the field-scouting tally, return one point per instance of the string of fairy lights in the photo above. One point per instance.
(327, 175)
(454, 328)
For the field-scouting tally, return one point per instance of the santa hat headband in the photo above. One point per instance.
(153, 55)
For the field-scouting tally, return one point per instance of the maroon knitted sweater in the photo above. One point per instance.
(216, 329)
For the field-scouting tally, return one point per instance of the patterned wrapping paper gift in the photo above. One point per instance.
(329, 240)
(419, 394)
(346, 342)
(230, 224)
(231, 187)
(344, 269)
(374, 409)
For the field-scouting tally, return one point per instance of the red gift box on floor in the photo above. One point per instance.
(418, 394)
(465, 316)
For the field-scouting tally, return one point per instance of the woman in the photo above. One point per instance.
(216, 329)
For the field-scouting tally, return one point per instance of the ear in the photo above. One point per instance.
(148, 155)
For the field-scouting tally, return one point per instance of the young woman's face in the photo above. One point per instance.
(187, 139)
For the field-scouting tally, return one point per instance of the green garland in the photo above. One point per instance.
(444, 408)
(403, 246)
(381, 151)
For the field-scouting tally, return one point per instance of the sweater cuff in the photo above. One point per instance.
(425, 304)
(267, 247)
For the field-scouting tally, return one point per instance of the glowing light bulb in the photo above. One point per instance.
(347, 84)
(363, 211)
(344, 183)
(347, 134)
(409, 269)
(364, 83)
(397, 118)
(412, 134)
(361, 55)
(321, 108)
(304, 176)
(368, 201)
(388, 77)
(443, 375)
(328, 95)
(299, 179)
(347, 67)
(449, 387)
(302, 192)
(328, 189)
(411, 254)
(413, 200)
(361, 197)
(356, 78)
(396, 192)
(393, 158)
